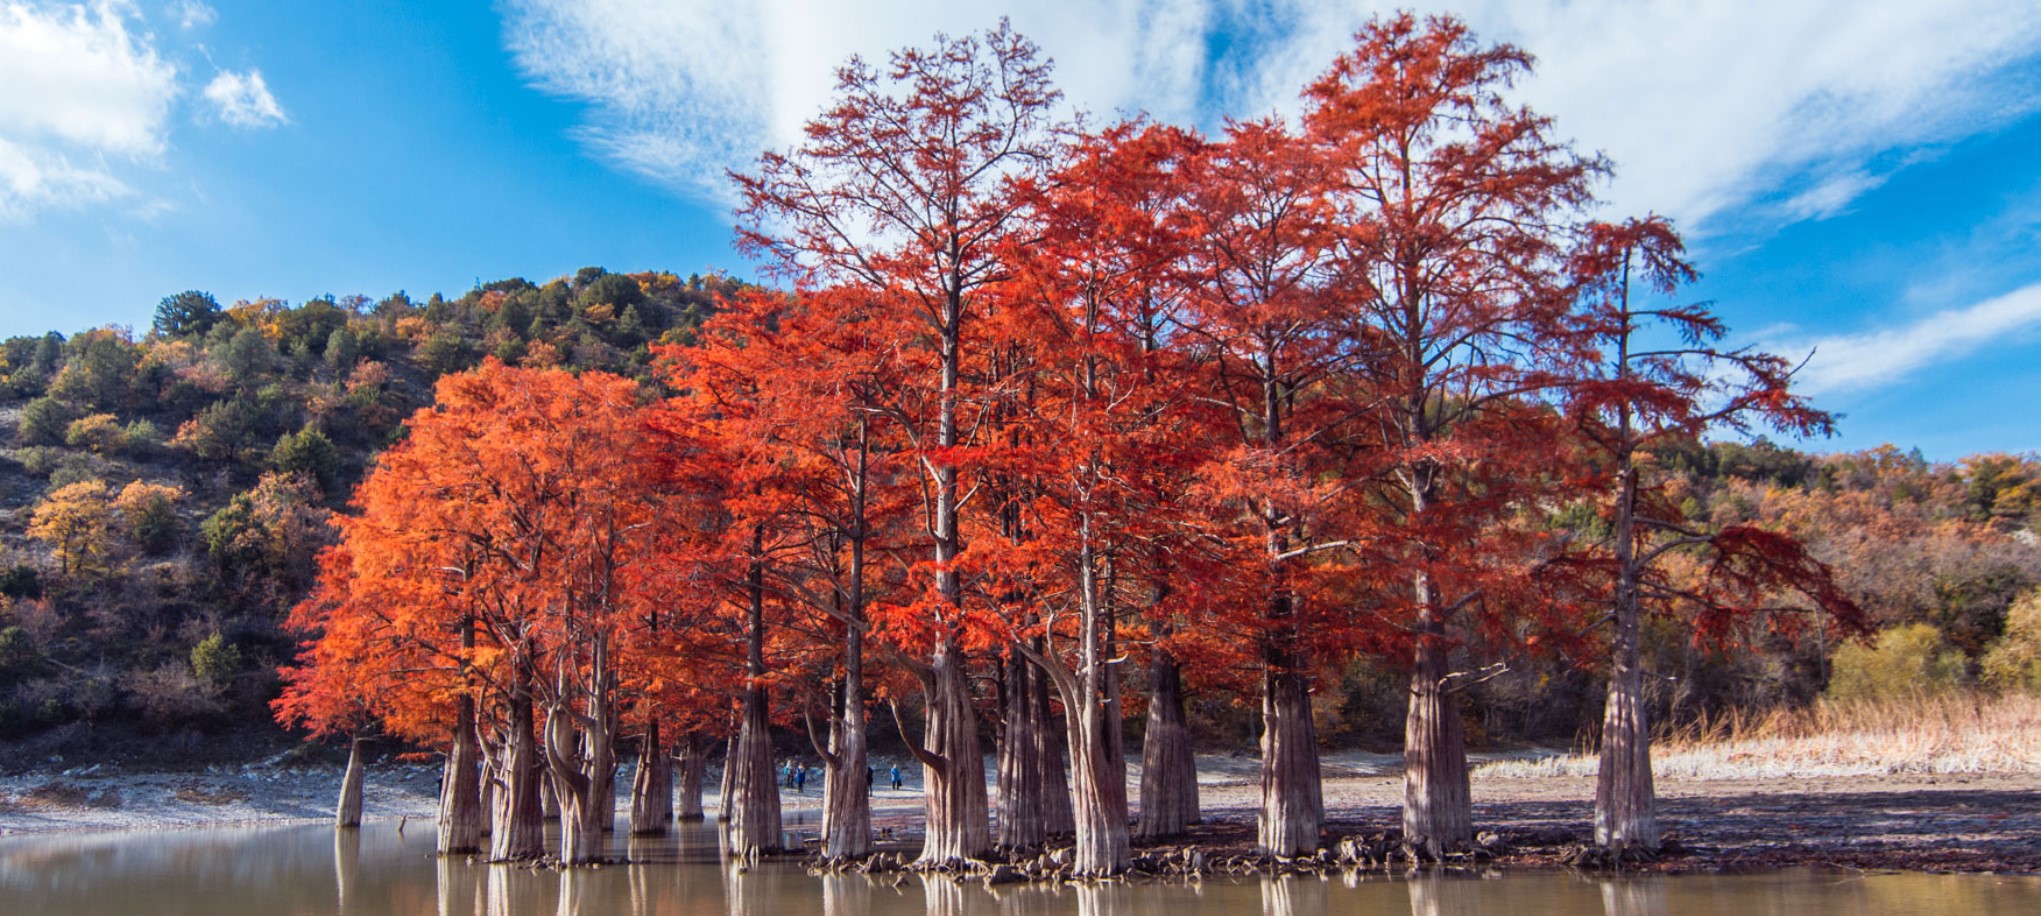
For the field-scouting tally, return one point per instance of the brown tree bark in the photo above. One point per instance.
(1169, 769)
(1626, 808)
(847, 802)
(952, 765)
(1052, 756)
(652, 786)
(1437, 802)
(755, 795)
(726, 790)
(694, 765)
(347, 812)
(517, 832)
(1292, 806)
(1022, 812)
(460, 789)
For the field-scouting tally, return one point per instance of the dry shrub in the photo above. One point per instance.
(1965, 732)
(211, 795)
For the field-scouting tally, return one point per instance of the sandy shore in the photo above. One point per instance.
(1977, 822)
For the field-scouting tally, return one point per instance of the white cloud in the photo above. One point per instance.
(1876, 358)
(99, 93)
(243, 100)
(192, 14)
(1705, 107)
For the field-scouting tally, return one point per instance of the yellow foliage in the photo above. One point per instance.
(73, 520)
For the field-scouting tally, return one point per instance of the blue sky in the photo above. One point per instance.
(1857, 178)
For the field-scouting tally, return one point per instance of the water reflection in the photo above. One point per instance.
(1635, 897)
(314, 870)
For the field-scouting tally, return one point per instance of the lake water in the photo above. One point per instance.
(313, 869)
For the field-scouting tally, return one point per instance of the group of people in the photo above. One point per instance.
(795, 776)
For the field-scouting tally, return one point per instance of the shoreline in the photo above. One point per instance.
(1969, 823)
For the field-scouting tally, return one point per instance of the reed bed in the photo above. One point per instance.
(1961, 733)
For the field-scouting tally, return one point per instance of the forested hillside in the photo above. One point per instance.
(165, 493)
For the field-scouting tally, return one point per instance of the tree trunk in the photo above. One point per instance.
(518, 832)
(582, 760)
(549, 801)
(1052, 757)
(347, 813)
(694, 765)
(652, 786)
(754, 794)
(1091, 706)
(726, 791)
(1022, 824)
(953, 765)
(1169, 770)
(755, 818)
(1438, 809)
(460, 790)
(1292, 806)
(1626, 810)
(847, 820)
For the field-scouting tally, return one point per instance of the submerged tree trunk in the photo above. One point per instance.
(952, 765)
(847, 819)
(1022, 814)
(693, 770)
(1438, 809)
(1091, 706)
(347, 813)
(1626, 809)
(652, 786)
(755, 801)
(1052, 758)
(460, 789)
(1169, 770)
(1292, 806)
(726, 789)
(518, 831)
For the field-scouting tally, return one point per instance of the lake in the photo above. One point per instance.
(312, 869)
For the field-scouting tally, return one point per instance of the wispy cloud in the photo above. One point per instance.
(244, 100)
(191, 14)
(1704, 107)
(1873, 359)
(100, 93)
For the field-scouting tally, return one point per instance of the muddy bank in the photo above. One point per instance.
(1972, 823)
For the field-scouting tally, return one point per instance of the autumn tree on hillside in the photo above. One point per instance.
(1661, 377)
(899, 188)
(1453, 212)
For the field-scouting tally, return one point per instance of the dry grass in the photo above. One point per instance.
(1959, 733)
(60, 795)
(196, 794)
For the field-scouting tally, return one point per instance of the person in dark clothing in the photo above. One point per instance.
(871, 774)
(896, 777)
(801, 780)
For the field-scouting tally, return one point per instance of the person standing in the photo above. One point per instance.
(801, 780)
(896, 777)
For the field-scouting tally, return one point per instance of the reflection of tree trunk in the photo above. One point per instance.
(347, 813)
(846, 895)
(1435, 895)
(694, 764)
(942, 895)
(460, 791)
(1438, 810)
(458, 886)
(346, 865)
(1292, 896)
(1169, 771)
(652, 786)
(518, 828)
(1292, 806)
(953, 766)
(574, 894)
(1106, 899)
(1635, 897)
